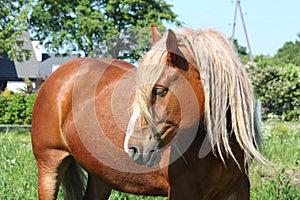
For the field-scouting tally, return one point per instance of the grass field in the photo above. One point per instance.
(282, 147)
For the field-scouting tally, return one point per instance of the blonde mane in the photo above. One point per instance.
(226, 86)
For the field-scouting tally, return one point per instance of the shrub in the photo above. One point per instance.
(16, 108)
(3, 104)
(278, 87)
(290, 115)
(29, 102)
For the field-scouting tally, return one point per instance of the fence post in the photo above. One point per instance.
(258, 110)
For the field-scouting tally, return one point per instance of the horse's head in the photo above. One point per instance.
(169, 100)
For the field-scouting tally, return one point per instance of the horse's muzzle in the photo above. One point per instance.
(147, 155)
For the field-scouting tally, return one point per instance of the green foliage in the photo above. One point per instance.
(264, 61)
(85, 25)
(278, 188)
(276, 81)
(242, 52)
(281, 129)
(16, 109)
(13, 21)
(282, 148)
(29, 103)
(282, 145)
(288, 54)
(18, 171)
(290, 115)
(277, 86)
(281, 188)
(3, 104)
(7, 93)
(240, 49)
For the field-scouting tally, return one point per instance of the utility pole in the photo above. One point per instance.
(238, 6)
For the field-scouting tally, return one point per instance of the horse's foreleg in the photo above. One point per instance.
(51, 168)
(96, 189)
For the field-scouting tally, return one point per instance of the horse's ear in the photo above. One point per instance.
(172, 49)
(155, 34)
(172, 46)
(174, 56)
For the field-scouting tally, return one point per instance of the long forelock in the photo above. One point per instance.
(149, 72)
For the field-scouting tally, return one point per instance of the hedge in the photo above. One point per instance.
(16, 108)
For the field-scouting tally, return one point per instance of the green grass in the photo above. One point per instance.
(18, 176)
(18, 172)
(282, 180)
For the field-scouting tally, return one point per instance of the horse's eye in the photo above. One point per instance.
(160, 91)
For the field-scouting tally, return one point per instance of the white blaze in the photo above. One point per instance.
(130, 128)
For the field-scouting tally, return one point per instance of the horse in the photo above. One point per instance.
(177, 131)
(194, 109)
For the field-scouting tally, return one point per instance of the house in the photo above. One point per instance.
(50, 62)
(14, 71)
(39, 65)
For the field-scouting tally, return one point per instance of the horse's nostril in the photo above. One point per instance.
(152, 151)
(133, 150)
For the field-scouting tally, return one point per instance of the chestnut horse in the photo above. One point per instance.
(189, 128)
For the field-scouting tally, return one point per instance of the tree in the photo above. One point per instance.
(13, 18)
(242, 51)
(83, 26)
(289, 53)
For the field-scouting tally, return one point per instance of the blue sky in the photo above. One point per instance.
(269, 23)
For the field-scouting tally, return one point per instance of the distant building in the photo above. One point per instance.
(50, 62)
(39, 65)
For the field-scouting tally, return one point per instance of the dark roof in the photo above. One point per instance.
(31, 68)
(8, 69)
(50, 60)
(13, 70)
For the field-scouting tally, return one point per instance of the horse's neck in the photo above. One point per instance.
(193, 148)
(188, 144)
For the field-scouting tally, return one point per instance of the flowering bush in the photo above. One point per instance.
(278, 88)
